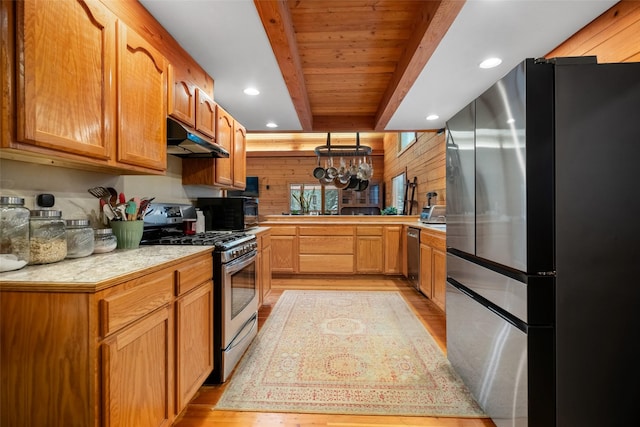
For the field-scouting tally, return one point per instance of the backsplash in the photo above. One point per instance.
(69, 186)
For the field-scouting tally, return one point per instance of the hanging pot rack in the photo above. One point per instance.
(329, 150)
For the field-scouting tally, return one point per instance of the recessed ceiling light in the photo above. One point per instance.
(272, 125)
(433, 117)
(252, 91)
(490, 63)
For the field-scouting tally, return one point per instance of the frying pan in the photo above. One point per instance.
(353, 182)
(319, 171)
(337, 182)
(362, 185)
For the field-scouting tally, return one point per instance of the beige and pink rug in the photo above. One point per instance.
(346, 353)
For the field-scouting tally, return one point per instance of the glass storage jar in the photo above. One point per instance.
(14, 233)
(79, 238)
(47, 237)
(104, 240)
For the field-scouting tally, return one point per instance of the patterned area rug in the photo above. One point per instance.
(348, 353)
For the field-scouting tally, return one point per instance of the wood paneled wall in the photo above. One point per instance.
(424, 159)
(275, 174)
(613, 37)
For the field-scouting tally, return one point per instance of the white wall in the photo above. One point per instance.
(69, 186)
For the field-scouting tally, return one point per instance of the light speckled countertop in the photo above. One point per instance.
(97, 271)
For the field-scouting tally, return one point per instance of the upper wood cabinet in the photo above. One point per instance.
(224, 137)
(142, 105)
(205, 114)
(66, 94)
(239, 156)
(181, 97)
(90, 92)
(189, 103)
(228, 173)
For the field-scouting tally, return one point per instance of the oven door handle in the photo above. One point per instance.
(247, 328)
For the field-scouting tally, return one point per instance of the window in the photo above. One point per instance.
(398, 184)
(313, 198)
(405, 139)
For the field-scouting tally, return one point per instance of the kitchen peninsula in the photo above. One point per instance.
(355, 244)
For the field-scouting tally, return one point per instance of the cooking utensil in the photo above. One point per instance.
(113, 200)
(339, 183)
(100, 193)
(362, 185)
(332, 172)
(319, 171)
(353, 182)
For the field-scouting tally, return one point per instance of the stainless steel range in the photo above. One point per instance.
(234, 280)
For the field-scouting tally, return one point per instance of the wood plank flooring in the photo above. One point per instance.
(200, 413)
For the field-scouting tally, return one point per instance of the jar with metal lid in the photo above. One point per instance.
(104, 240)
(79, 238)
(47, 237)
(14, 233)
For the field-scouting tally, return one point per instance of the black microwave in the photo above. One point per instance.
(229, 213)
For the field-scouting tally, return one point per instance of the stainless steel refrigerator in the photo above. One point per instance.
(543, 229)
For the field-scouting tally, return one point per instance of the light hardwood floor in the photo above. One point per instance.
(199, 412)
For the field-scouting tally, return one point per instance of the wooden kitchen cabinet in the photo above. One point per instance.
(142, 102)
(137, 370)
(227, 173)
(263, 264)
(284, 249)
(433, 266)
(67, 105)
(239, 156)
(393, 252)
(103, 106)
(369, 249)
(326, 249)
(132, 353)
(189, 103)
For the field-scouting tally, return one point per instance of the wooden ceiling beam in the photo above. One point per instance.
(276, 20)
(343, 123)
(432, 24)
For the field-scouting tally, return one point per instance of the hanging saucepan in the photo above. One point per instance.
(362, 185)
(339, 184)
(332, 172)
(319, 171)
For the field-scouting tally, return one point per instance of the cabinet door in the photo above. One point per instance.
(142, 102)
(392, 249)
(439, 278)
(284, 254)
(369, 254)
(239, 156)
(138, 373)
(224, 137)
(205, 114)
(426, 270)
(266, 272)
(181, 98)
(194, 342)
(65, 93)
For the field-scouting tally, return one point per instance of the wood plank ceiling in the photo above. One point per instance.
(349, 63)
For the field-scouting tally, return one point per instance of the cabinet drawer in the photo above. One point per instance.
(283, 231)
(326, 264)
(436, 242)
(327, 230)
(120, 309)
(369, 230)
(325, 244)
(193, 273)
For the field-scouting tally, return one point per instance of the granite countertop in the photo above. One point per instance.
(99, 271)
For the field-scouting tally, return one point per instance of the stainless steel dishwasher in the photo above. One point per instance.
(413, 256)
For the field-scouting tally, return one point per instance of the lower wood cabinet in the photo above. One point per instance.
(326, 249)
(132, 354)
(284, 249)
(393, 252)
(137, 373)
(433, 266)
(263, 263)
(369, 249)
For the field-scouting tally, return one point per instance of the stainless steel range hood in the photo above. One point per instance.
(185, 142)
